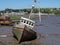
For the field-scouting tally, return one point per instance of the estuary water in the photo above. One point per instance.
(49, 27)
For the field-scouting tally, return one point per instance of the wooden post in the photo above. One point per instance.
(39, 15)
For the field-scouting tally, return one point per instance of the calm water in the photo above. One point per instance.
(49, 27)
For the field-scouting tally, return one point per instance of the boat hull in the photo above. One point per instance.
(26, 34)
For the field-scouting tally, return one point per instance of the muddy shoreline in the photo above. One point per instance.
(50, 25)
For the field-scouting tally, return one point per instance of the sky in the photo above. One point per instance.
(21, 4)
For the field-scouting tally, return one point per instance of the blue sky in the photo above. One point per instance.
(19, 4)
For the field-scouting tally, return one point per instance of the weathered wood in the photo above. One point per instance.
(26, 34)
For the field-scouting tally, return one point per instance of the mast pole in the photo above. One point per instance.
(33, 6)
(31, 13)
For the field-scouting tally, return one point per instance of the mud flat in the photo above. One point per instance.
(50, 30)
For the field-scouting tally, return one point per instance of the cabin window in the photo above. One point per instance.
(24, 21)
(27, 22)
(21, 20)
(30, 23)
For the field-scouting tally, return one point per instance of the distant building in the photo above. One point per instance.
(13, 13)
(58, 9)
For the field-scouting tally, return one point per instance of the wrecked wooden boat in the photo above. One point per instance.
(4, 20)
(23, 31)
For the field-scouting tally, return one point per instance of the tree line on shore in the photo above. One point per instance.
(55, 11)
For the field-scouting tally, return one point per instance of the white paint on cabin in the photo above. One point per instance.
(25, 21)
(29, 23)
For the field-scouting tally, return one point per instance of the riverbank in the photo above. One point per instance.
(50, 29)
